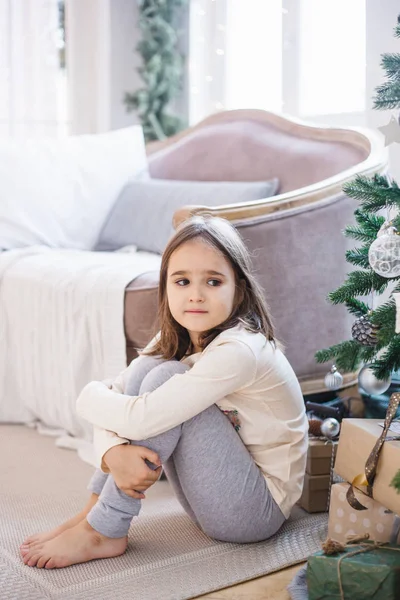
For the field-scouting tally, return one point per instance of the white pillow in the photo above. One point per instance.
(59, 192)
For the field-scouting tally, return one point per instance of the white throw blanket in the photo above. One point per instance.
(62, 325)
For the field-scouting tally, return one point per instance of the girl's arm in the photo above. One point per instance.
(222, 370)
(103, 439)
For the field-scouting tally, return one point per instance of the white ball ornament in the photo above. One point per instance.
(333, 379)
(369, 383)
(330, 428)
(384, 253)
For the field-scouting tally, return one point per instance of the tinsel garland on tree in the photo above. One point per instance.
(162, 70)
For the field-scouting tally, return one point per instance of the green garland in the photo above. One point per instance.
(162, 70)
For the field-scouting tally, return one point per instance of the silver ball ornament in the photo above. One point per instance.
(384, 253)
(330, 428)
(333, 379)
(370, 384)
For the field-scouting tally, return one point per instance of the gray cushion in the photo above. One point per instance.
(142, 214)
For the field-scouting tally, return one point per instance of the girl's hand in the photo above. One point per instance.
(129, 470)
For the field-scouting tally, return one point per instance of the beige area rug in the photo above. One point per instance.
(168, 558)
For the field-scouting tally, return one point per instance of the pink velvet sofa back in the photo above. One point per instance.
(249, 151)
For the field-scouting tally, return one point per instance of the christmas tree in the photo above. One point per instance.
(375, 342)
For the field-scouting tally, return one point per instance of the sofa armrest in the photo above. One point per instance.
(141, 298)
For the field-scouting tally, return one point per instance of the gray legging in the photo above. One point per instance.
(213, 475)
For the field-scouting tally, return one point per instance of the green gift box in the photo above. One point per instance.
(371, 575)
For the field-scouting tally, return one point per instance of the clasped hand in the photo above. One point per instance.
(130, 472)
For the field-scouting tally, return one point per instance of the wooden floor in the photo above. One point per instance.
(270, 587)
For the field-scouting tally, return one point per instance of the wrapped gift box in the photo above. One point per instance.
(344, 520)
(357, 439)
(315, 493)
(372, 575)
(319, 456)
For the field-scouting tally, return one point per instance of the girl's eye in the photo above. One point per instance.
(182, 282)
(214, 282)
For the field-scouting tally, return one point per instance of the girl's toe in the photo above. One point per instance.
(42, 561)
(33, 561)
(50, 564)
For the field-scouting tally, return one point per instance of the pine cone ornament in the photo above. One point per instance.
(364, 332)
(314, 427)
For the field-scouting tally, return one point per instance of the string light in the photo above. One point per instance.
(202, 91)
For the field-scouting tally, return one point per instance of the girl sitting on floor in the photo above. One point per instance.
(212, 399)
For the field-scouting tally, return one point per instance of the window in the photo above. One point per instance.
(304, 57)
(33, 102)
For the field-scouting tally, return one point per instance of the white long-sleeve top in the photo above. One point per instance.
(239, 371)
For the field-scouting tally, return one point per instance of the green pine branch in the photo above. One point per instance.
(391, 64)
(389, 360)
(384, 317)
(357, 307)
(367, 228)
(359, 257)
(358, 283)
(346, 355)
(370, 222)
(396, 482)
(359, 234)
(388, 96)
(373, 193)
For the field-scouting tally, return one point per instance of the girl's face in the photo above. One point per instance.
(200, 288)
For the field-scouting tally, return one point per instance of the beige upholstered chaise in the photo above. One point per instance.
(296, 237)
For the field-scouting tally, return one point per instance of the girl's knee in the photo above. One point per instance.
(161, 373)
(139, 369)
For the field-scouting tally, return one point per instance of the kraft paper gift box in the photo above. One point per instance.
(357, 439)
(345, 521)
(319, 456)
(314, 497)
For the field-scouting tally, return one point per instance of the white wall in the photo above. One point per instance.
(101, 63)
(381, 21)
(124, 34)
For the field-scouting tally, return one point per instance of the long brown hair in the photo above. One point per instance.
(251, 310)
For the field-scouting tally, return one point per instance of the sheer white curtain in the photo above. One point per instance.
(303, 57)
(32, 84)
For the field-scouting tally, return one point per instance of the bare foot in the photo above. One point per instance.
(75, 545)
(48, 535)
